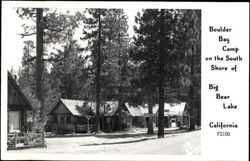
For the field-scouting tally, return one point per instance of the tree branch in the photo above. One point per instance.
(23, 35)
(58, 29)
(52, 60)
(29, 60)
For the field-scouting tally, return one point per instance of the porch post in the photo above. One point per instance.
(188, 121)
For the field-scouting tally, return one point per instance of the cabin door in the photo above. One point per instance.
(14, 121)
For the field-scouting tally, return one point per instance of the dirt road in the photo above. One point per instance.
(185, 143)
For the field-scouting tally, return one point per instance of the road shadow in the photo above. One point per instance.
(141, 134)
(117, 135)
(169, 133)
(120, 142)
(69, 135)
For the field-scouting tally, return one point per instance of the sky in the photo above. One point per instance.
(14, 43)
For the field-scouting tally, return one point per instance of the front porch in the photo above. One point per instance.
(84, 124)
(70, 127)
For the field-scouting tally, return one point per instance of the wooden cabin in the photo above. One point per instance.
(153, 116)
(72, 116)
(18, 105)
(19, 135)
(175, 114)
(138, 117)
(109, 117)
(131, 116)
(79, 116)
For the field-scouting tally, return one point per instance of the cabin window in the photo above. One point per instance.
(14, 121)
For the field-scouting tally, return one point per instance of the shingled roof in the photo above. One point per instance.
(177, 109)
(144, 109)
(72, 105)
(134, 111)
(13, 83)
(169, 109)
(109, 108)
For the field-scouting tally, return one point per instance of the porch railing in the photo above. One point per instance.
(85, 128)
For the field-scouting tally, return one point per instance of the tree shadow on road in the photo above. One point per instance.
(141, 134)
(117, 135)
(120, 142)
(141, 137)
(69, 135)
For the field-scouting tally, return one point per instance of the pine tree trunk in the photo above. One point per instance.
(39, 60)
(98, 76)
(122, 72)
(120, 105)
(150, 112)
(28, 64)
(161, 79)
(120, 101)
(192, 115)
(120, 114)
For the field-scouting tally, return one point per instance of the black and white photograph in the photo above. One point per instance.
(87, 85)
(105, 81)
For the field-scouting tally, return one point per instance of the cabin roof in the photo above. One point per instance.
(173, 108)
(134, 111)
(13, 83)
(144, 109)
(72, 106)
(108, 108)
(112, 107)
(169, 109)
